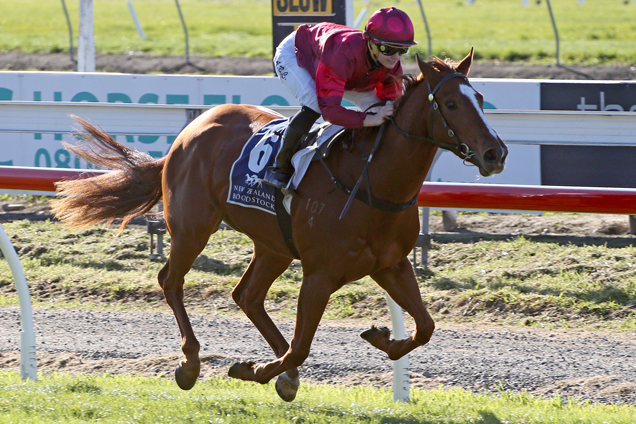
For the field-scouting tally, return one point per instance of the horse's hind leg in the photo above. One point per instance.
(400, 283)
(189, 235)
(250, 294)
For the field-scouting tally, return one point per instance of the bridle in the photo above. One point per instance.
(460, 149)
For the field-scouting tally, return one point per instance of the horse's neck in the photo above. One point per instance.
(403, 162)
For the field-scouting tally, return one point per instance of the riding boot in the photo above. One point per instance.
(278, 176)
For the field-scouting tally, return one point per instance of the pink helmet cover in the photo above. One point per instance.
(392, 26)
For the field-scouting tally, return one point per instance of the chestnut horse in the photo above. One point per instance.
(439, 108)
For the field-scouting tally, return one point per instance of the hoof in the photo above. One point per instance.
(374, 332)
(287, 387)
(183, 381)
(239, 370)
(234, 370)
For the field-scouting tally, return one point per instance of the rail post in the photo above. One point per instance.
(632, 224)
(401, 386)
(28, 359)
(86, 42)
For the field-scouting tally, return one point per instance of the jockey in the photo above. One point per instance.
(326, 62)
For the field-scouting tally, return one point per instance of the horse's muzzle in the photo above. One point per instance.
(493, 160)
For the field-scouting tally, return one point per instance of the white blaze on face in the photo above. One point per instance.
(470, 92)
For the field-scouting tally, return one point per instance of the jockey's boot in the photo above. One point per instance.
(278, 176)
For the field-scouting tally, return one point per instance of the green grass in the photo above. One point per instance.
(519, 281)
(600, 32)
(216, 28)
(127, 399)
(536, 282)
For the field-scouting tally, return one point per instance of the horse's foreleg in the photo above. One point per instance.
(250, 295)
(312, 301)
(400, 283)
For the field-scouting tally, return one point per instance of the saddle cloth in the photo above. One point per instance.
(246, 176)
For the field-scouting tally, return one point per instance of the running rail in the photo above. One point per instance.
(39, 179)
(528, 198)
(542, 127)
(433, 194)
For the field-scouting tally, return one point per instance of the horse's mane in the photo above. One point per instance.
(411, 82)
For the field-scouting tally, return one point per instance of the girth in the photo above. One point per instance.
(284, 222)
(374, 202)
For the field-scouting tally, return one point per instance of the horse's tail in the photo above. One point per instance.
(130, 191)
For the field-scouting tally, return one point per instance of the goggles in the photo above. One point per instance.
(389, 50)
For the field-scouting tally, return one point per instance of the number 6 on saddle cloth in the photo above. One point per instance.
(246, 186)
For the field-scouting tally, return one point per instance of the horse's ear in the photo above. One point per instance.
(464, 65)
(426, 69)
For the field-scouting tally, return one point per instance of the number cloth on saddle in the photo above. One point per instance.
(246, 185)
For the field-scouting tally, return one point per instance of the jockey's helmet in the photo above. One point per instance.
(390, 26)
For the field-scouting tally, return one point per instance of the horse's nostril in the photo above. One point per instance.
(490, 156)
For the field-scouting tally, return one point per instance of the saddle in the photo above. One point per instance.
(324, 137)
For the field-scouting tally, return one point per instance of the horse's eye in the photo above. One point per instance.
(451, 105)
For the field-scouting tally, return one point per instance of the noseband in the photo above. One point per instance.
(459, 148)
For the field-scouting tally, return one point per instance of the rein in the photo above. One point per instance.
(361, 195)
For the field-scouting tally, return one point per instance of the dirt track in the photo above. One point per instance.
(593, 366)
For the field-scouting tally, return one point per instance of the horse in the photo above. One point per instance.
(439, 109)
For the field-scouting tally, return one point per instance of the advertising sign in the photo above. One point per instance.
(600, 96)
(589, 165)
(526, 164)
(287, 15)
(46, 150)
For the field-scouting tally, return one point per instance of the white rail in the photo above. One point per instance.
(590, 128)
(115, 118)
(28, 359)
(551, 127)
(401, 385)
